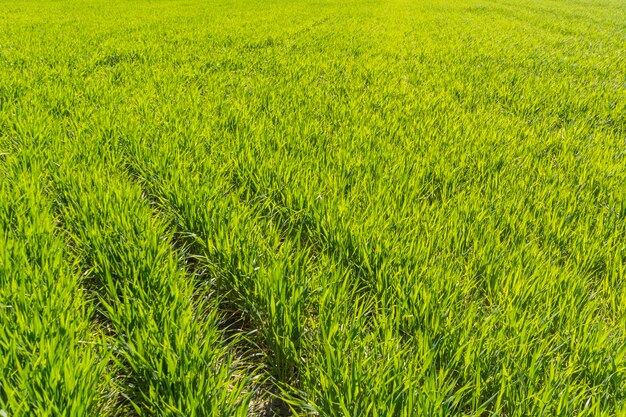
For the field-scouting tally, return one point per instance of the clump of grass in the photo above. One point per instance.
(53, 361)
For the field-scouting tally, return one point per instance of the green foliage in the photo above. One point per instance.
(339, 208)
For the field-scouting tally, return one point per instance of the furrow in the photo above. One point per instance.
(264, 279)
(165, 335)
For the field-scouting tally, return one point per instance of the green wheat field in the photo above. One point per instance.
(313, 208)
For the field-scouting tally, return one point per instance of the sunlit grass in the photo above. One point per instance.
(355, 208)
